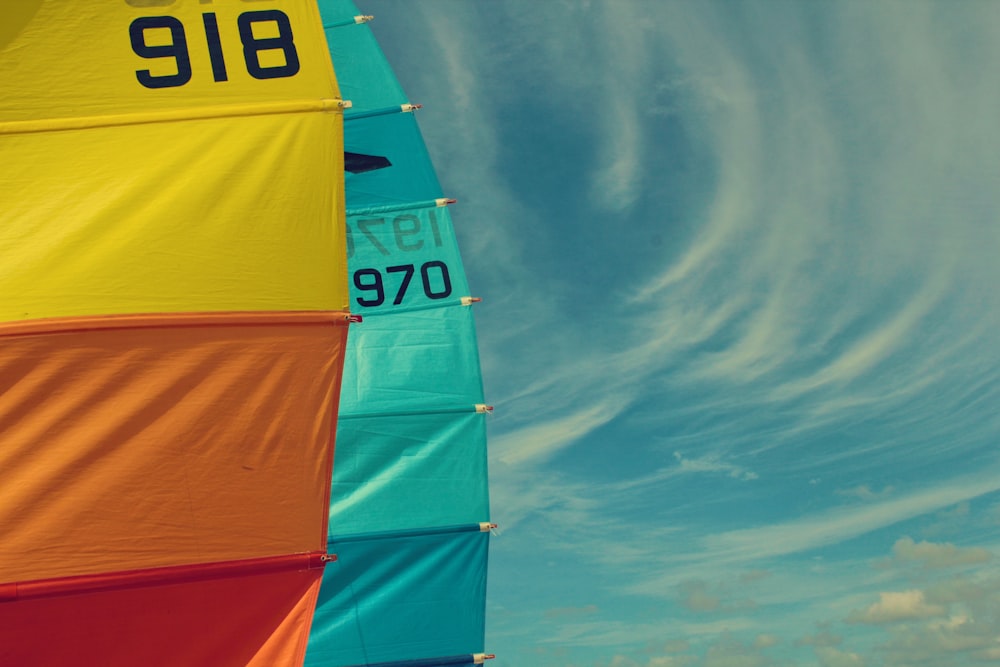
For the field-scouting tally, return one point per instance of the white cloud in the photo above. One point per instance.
(700, 596)
(719, 627)
(623, 661)
(655, 661)
(941, 643)
(730, 652)
(896, 606)
(754, 575)
(831, 657)
(670, 661)
(823, 638)
(964, 591)
(990, 654)
(937, 555)
(713, 464)
(695, 596)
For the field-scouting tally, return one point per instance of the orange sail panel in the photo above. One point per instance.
(163, 440)
(173, 317)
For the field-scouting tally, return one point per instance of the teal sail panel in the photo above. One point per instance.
(409, 499)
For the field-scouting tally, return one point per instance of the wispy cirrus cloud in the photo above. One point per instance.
(541, 440)
(844, 523)
(865, 493)
(819, 307)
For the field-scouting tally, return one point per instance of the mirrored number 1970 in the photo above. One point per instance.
(178, 47)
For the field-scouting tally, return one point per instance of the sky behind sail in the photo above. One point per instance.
(739, 263)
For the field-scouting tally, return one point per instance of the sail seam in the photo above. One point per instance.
(466, 659)
(341, 23)
(389, 208)
(406, 532)
(413, 309)
(412, 413)
(171, 320)
(89, 583)
(171, 116)
(381, 111)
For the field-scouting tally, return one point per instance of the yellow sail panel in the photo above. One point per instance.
(68, 59)
(141, 189)
(201, 215)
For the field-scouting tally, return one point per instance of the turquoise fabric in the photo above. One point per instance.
(401, 598)
(418, 237)
(396, 137)
(410, 361)
(409, 473)
(409, 485)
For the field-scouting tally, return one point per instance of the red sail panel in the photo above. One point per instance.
(254, 614)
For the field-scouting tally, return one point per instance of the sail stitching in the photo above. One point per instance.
(409, 532)
(171, 116)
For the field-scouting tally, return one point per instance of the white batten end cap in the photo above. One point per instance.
(485, 527)
(444, 201)
(483, 408)
(480, 658)
(363, 18)
(469, 300)
(410, 108)
(345, 104)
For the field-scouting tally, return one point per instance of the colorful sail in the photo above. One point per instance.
(173, 315)
(409, 513)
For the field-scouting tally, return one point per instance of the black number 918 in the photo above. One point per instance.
(178, 47)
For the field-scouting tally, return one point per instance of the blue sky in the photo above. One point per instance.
(740, 268)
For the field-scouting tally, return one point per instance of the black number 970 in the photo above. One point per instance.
(370, 281)
(178, 47)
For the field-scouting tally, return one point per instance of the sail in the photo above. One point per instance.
(409, 513)
(173, 316)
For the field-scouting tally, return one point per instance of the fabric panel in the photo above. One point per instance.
(198, 215)
(409, 471)
(412, 361)
(165, 443)
(241, 621)
(397, 138)
(67, 59)
(404, 259)
(401, 598)
(364, 77)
